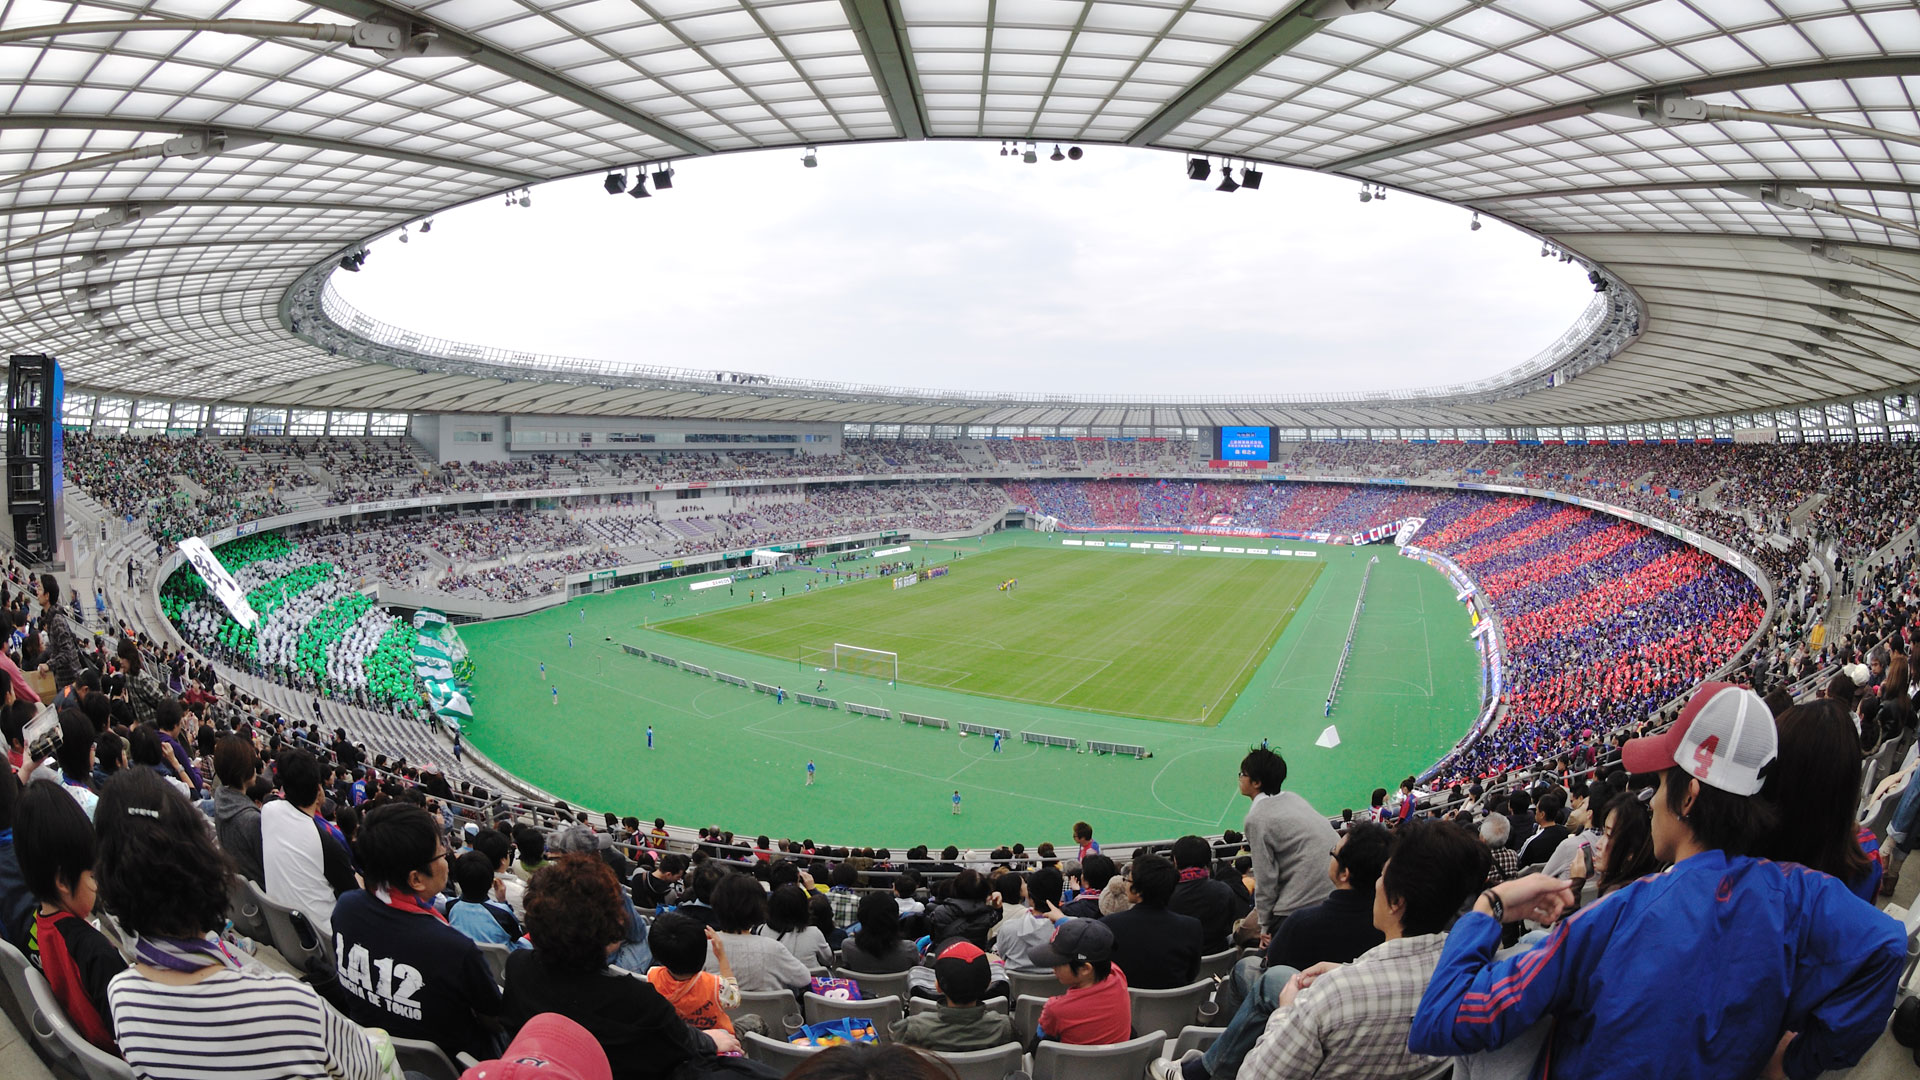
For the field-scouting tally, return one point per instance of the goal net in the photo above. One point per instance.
(875, 663)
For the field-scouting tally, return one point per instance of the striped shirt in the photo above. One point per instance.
(236, 1025)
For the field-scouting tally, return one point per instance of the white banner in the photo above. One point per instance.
(225, 589)
(1407, 529)
(713, 584)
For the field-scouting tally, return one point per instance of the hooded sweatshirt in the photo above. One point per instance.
(236, 823)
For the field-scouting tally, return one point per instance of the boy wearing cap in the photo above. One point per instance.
(960, 1023)
(1095, 1009)
(1783, 972)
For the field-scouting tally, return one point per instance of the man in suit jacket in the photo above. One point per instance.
(1550, 815)
(1155, 948)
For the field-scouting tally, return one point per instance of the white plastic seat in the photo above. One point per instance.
(1170, 1009)
(1191, 1038)
(993, 1063)
(877, 986)
(771, 1006)
(48, 1026)
(882, 1011)
(1113, 1061)
(782, 1057)
(1034, 984)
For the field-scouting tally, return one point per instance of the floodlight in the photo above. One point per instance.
(615, 183)
(663, 178)
(639, 189)
(526, 198)
(810, 161)
(1003, 148)
(1474, 225)
(1250, 178)
(1057, 155)
(426, 226)
(1032, 155)
(403, 234)
(1198, 169)
(1226, 180)
(1366, 193)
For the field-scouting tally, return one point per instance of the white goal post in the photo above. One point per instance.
(878, 663)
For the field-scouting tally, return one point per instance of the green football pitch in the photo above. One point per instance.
(1162, 638)
(1196, 656)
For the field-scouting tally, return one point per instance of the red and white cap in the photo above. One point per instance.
(1724, 738)
(549, 1047)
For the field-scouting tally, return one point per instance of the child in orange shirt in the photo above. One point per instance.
(701, 998)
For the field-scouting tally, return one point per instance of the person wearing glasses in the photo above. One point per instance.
(402, 967)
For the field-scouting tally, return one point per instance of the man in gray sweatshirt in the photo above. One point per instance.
(1289, 840)
(236, 821)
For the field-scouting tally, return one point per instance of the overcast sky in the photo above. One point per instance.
(943, 264)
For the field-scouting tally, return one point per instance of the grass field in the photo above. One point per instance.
(727, 756)
(1156, 636)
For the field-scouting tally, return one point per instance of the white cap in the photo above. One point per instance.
(1724, 738)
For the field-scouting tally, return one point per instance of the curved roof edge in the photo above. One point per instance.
(315, 311)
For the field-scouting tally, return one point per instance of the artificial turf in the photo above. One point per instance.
(725, 755)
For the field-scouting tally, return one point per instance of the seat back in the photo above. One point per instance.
(1195, 1038)
(771, 1006)
(1034, 984)
(424, 1058)
(496, 955)
(877, 986)
(1219, 964)
(1114, 1061)
(1168, 1010)
(298, 941)
(1879, 817)
(882, 1011)
(916, 1006)
(782, 1057)
(1026, 1017)
(245, 911)
(993, 1063)
(48, 1026)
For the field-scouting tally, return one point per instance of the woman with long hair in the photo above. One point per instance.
(878, 946)
(788, 923)
(1813, 790)
(1625, 852)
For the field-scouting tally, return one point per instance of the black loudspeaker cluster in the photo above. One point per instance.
(35, 460)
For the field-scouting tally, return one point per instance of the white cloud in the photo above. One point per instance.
(947, 265)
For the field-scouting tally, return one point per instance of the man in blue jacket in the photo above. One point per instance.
(1720, 966)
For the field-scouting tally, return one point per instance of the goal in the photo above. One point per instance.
(877, 663)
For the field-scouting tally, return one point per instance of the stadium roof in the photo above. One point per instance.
(179, 178)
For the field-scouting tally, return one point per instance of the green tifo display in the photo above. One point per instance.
(312, 621)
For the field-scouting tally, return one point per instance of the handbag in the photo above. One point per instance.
(839, 1031)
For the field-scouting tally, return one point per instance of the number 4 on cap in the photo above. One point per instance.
(1703, 754)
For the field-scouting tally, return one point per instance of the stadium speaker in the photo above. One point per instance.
(640, 187)
(1074, 153)
(663, 179)
(1250, 178)
(1198, 169)
(615, 183)
(35, 389)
